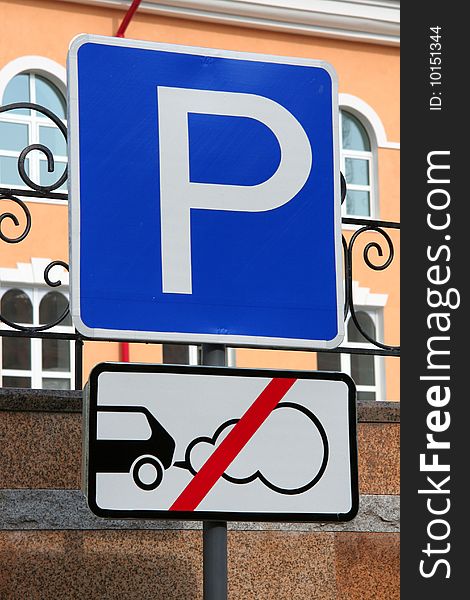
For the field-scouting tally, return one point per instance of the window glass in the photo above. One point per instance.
(17, 307)
(16, 382)
(356, 165)
(51, 307)
(354, 135)
(49, 178)
(368, 396)
(362, 369)
(358, 203)
(49, 383)
(357, 171)
(175, 354)
(22, 128)
(35, 363)
(365, 323)
(55, 355)
(13, 136)
(16, 353)
(362, 365)
(17, 90)
(328, 361)
(9, 174)
(52, 138)
(49, 96)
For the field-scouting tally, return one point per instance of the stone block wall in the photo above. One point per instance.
(52, 547)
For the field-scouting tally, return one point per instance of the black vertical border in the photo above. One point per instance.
(423, 131)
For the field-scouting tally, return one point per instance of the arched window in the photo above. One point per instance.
(53, 306)
(34, 362)
(55, 353)
(22, 127)
(357, 166)
(17, 307)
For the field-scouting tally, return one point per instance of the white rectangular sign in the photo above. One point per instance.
(218, 443)
(204, 195)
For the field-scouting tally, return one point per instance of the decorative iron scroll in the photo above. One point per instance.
(383, 247)
(364, 227)
(43, 189)
(36, 190)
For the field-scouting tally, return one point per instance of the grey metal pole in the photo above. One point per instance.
(214, 540)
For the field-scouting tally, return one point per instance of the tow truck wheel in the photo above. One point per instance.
(147, 472)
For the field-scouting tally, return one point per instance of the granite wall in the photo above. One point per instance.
(52, 547)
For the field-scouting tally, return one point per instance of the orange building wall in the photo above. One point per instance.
(46, 28)
(368, 71)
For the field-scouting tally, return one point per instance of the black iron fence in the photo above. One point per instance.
(377, 252)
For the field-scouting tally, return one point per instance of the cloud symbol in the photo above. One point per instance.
(288, 453)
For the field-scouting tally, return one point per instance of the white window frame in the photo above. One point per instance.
(368, 155)
(193, 354)
(56, 75)
(29, 278)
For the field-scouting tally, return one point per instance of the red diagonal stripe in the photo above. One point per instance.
(219, 461)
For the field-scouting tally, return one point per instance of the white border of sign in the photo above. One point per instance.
(74, 203)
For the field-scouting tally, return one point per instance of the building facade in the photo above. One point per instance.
(50, 545)
(360, 40)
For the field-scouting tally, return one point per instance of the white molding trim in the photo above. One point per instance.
(50, 69)
(362, 296)
(361, 109)
(33, 274)
(374, 21)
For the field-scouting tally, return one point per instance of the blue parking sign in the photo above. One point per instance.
(205, 196)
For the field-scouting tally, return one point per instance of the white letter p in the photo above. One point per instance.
(178, 195)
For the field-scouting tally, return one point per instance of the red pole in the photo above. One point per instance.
(124, 351)
(127, 18)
